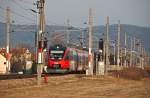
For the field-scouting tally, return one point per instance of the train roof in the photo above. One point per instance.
(63, 47)
(57, 47)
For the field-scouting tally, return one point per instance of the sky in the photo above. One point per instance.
(134, 12)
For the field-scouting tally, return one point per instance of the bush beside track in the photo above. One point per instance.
(132, 73)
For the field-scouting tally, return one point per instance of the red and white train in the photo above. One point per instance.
(63, 59)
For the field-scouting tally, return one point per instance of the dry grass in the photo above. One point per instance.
(74, 86)
(131, 73)
(81, 87)
(147, 68)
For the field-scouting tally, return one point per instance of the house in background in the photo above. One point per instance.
(2, 64)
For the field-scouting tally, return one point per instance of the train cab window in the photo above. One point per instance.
(56, 54)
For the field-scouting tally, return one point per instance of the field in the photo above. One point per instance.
(76, 86)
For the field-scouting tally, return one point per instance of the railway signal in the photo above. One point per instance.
(42, 44)
(45, 44)
(101, 42)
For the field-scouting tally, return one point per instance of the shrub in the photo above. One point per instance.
(130, 73)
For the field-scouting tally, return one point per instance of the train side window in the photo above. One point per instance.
(67, 56)
(71, 55)
(74, 55)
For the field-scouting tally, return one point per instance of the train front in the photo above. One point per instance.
(56, 60)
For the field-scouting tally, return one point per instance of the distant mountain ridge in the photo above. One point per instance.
(26, 33)
(141, 33)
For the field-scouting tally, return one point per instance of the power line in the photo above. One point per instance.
(2, 8)
(18, 4)
(13, 12)
(2, 21)
(53, 23)
(22, 15)
(25, 1)
(2, 17)
(21, 6)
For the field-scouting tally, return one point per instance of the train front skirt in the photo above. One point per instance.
(51, 70)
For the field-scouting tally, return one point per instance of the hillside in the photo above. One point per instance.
(142, 33)
(23, 34)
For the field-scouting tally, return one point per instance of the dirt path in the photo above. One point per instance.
(75, 87)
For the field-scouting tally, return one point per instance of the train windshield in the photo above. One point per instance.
(56, 54)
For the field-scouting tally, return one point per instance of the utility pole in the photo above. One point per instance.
(40, 6)
(82, 38)
(125, 50)
(67, 31)
(121, 56)
(107, 45)
(118, 45)
(144, 54)
(143, 58)
(114, 52)
(36, 35)
(134, 54)
(134, 43)
(8, 39)
(131, 53)
(138, 50)
(89, 71)
(148, 59)
(104, 48)
(141, 55)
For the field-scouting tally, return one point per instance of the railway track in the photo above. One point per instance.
(16, 76)
(23, 76)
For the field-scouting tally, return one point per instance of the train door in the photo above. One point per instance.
(80, 67)
(73, 60)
